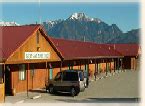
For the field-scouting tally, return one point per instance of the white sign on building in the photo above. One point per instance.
(37, 55)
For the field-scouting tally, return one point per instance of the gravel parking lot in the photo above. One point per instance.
(117, 87)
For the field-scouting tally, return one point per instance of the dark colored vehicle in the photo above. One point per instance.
(70, 81)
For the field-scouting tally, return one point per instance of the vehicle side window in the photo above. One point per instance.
(70, 76)
(65, 77)
(58, 77)
(81, 76)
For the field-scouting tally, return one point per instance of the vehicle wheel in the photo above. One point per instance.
(47, 90)
(73, 92)
(51, 89)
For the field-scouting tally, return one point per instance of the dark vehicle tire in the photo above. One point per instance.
(73, 92)
(47, 90)
(51, 89)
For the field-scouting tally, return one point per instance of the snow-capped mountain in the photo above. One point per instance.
(83, 17)
(78, 16)
(2, 23)
(74, 17)
(79, 26)
(50, 24)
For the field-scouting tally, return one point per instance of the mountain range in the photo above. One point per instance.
(81, 27)
(3, 23)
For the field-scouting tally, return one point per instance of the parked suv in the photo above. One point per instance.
(71, 81)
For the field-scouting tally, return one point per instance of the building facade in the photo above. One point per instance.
(29, 58)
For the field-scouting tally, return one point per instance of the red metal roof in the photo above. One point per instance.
(14, 36)
(71, 49)
(127, 49)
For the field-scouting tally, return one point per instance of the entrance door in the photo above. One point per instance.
(50, 73)
(7, 81)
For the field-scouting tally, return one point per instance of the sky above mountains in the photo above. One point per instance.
(71, 1)
(125, 15)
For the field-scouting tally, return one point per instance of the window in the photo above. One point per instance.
(70, 76)
(58, 76)
(22, 72)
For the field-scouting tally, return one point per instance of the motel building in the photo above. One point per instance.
(29, 58)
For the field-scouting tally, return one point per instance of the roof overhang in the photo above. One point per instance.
(30, 61)
(97, 57)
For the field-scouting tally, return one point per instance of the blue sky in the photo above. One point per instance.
(125, 15)
(70, 0)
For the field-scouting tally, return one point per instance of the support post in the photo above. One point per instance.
(4, 81)
(121, 65)
(80, 65)
(97, 69)
(60, 65)
(114, 65)
(69, 65)
(95, 74)
(46, 75)
(27, 81)
(110, 66)
(48, 70)
(135, 64)
(118, 65)
(32, 73)
(88, 68)
(106, 68)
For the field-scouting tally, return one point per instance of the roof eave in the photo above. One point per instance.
(97, 57)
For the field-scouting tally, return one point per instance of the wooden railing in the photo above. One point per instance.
(2, 92)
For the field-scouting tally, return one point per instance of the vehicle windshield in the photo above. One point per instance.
(70, 76)
(58, 77)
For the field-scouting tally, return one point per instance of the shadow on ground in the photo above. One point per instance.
(102, 100)
(61, 94)
(55, 94)
(38, 91)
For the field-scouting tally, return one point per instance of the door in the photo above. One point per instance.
(7, 81)
(50, 73)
